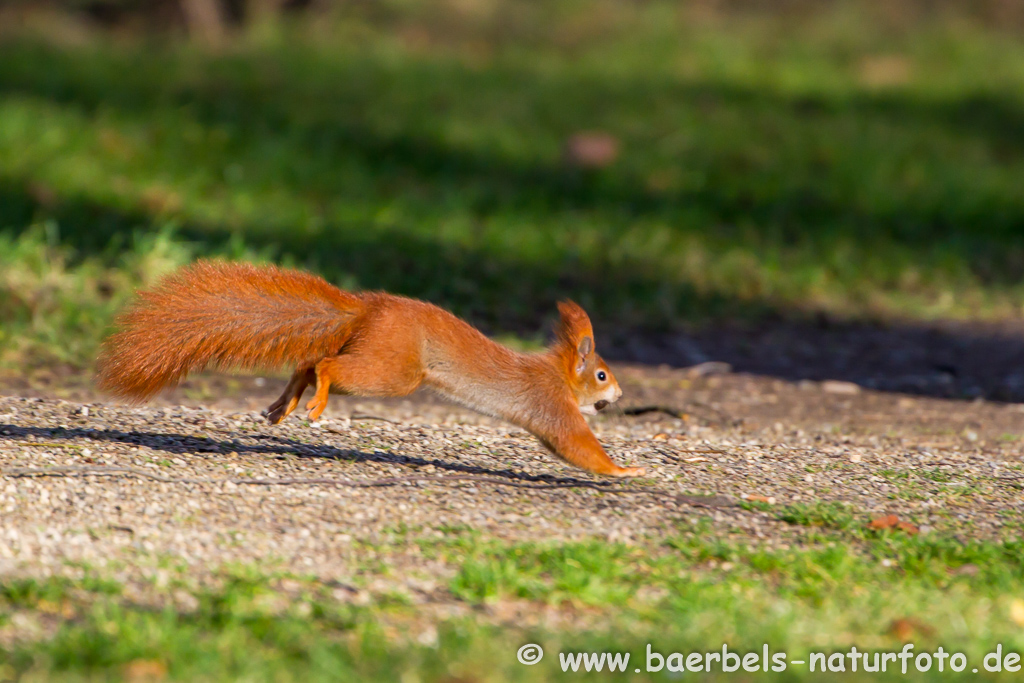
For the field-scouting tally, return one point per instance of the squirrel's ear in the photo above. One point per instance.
(575, 333)
(585, 348)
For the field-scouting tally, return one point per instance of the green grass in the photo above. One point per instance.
(830, 515)
(687, 593)
(772, 167)
(55, 307)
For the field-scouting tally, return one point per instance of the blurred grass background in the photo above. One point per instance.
(854, 158)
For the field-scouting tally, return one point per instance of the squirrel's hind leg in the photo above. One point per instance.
(289, 400)
(363, 374)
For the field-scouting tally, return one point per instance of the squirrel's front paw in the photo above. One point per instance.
(629, 472)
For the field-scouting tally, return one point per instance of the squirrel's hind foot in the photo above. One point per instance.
(289, 400)
(278, 411)
(316, 406)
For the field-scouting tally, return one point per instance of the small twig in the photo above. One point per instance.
(643, 410)
(689, 456)
(365, 416)
(71, 471)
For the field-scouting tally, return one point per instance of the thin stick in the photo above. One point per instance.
(679, 413)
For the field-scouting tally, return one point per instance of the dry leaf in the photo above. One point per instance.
(965, 570)
(63, 608)
(139, 670)
(43, 194)
(591, 149)
(762, 499)
(892, 522)
(698, 458)
(708, 369)
(885, 71)
(887, 522)
(159, 199)
(907, 527)
(1017, 611)
(904, 629)
(834, 386)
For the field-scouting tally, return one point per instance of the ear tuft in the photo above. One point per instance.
(574, 325)
(575, 336)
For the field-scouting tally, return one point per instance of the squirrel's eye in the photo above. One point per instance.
(601, 376)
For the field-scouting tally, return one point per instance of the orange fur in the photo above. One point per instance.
(367, 344)
(224, 315)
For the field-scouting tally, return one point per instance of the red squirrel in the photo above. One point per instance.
(363, 344)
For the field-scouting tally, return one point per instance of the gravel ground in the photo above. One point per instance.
(203, 487)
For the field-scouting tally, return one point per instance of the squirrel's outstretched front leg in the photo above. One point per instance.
(575, 443)
(283, 406)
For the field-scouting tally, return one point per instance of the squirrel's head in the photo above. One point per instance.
(591, 381)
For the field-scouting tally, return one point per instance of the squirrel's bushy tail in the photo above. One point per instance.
(224, 315)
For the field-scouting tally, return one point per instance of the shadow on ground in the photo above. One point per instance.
(282, 448)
